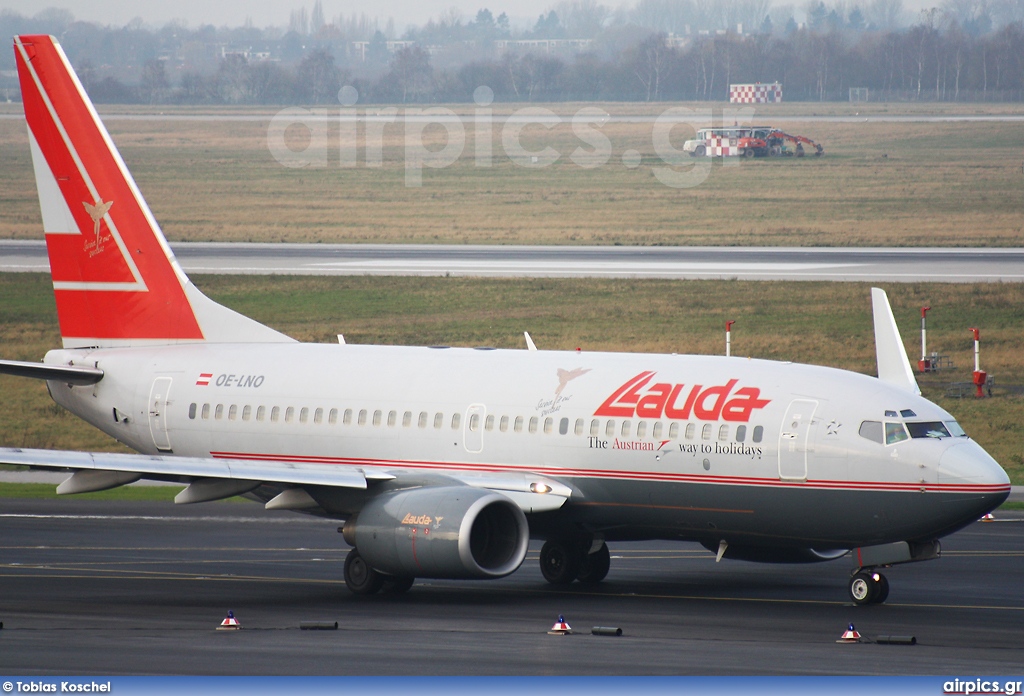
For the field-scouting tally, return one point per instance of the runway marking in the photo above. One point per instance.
(160, 518)
(538, 591)
(247, 549)
(763, 600)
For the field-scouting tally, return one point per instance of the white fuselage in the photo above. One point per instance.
(766, 448)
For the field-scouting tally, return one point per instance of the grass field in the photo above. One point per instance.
(879, 184)
(823, 323)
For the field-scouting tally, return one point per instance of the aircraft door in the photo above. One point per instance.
(473, 430)
(158, 400)
(793, 438)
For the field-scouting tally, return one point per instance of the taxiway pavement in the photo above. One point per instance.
(116, 588)
(744, 263)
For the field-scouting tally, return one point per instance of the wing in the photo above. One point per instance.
(212, 479)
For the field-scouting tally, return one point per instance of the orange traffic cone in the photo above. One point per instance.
(850, 636)
(230, 623)
(560, 628)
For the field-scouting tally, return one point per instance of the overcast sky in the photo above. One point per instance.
(272, 12)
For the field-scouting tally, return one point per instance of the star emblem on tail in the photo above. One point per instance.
(96, 212)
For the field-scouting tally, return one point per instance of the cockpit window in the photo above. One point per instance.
(932, 429)
(907, 413)
(895, 432)
(872, 430)
(955, 430)
(891, 414)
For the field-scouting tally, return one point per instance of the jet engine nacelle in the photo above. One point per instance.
(766, 554)
(441, 532)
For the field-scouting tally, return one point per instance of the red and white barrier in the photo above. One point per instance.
(755, 93)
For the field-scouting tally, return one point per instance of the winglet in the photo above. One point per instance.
(530, 345)
(893, 364)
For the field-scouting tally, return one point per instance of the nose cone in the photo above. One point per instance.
(967, 468)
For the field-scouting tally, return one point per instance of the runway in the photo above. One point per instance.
(744, 263)
(131, 588)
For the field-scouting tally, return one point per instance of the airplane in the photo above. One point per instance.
(445, 462)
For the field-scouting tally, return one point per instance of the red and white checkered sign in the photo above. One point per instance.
(722, 147)
(755, 93)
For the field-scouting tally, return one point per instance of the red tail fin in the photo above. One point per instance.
(115, 279)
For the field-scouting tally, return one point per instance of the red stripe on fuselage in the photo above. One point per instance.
(620, 474)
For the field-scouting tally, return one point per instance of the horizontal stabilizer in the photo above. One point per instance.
(893, 364)
(68, 374)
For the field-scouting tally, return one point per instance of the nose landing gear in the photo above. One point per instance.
(868, 587)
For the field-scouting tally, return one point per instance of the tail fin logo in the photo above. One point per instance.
(97, 212)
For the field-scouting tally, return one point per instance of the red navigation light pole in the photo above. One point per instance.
(924, 364)
(979, 376)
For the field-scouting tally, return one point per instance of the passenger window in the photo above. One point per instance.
(438, 420)
(723, 433)
(533, 425)
(246, 413)
(361, 418)
(407, 419)
(579, 426)
(548, 423)
(392, 418)
(378, 415)
(503, 424)
(758, 433)
(489, 423)
(456, 419)
(303, 414)
(563, 426)
(289, 414)
(625, 428)
(218, 413)
(656, 434)
(346, 418)
(609, 428)
(275, 413)
(261, 413)
(705, 433)
(192, 411)
(422, 421)
(673, 431)
(206, 411)
(641, 429)
(872, 430)
(741, 433)
(691, 431)
(895, 432)
(318, 416)
(595, 427)
(332, 417)
(474, 422)
(519, 424)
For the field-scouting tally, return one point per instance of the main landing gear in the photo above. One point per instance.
(868, 586)
(562, 561)
(362, 579)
